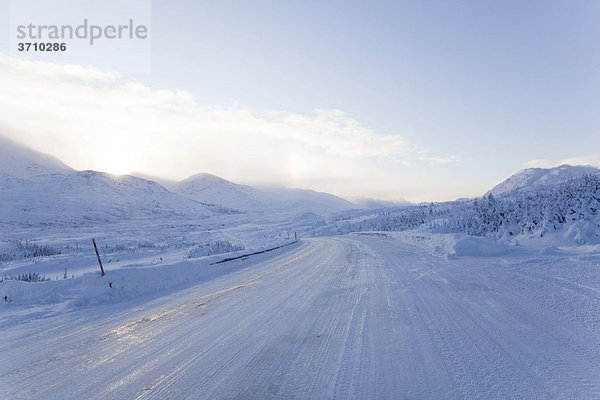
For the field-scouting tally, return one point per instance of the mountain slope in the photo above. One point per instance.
(309, 201)
(215, 190)
(18, 163)
(212, 189)
(562, 214)
(532, 178)
(91, 197)
(37, 189)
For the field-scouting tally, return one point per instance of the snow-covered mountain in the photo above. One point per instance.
(212, 189)
(88, 196)
(554, 207)
(18, 163)
(302, 201)
(375, 204)
(38, 189)
(533, 178)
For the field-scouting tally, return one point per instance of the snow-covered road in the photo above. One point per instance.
(344, 317)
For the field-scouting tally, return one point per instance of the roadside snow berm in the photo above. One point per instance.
(477, 246)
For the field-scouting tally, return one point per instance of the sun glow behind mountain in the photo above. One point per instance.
(118, 162)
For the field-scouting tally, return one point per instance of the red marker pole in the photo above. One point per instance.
(98, 255)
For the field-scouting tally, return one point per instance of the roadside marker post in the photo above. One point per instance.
(98, 255)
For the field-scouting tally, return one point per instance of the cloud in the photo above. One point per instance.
(540, 163)
(583, 160)
(336, 133)
(439, 160)
(54, 71)
(95, 119)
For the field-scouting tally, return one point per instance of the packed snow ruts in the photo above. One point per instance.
(349, 317)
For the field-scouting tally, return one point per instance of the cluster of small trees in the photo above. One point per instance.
(214, 247)
(394, 219)
(527, 212)
(29, 277)
(18, 250)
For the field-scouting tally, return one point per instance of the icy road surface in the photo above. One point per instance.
(334, 318)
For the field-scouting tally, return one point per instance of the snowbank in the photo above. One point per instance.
(125, 283)
(477, 246)
(37, 292)
(584, 232)
(448, 244)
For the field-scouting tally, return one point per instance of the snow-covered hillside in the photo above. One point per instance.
(19, 164)
(570, 209)
(309, 201)
(533, 178)
(550, 214)
(87, 196)
(558, 204)
(213, 189)
(38, 189)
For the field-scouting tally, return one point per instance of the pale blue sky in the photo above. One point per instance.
(501, 82)
(491, 85)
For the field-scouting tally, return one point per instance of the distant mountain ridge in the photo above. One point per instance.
(91, 196)
(39, 189)
(533, 178)
(310, 201)
(209, 188)
(213, 189)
